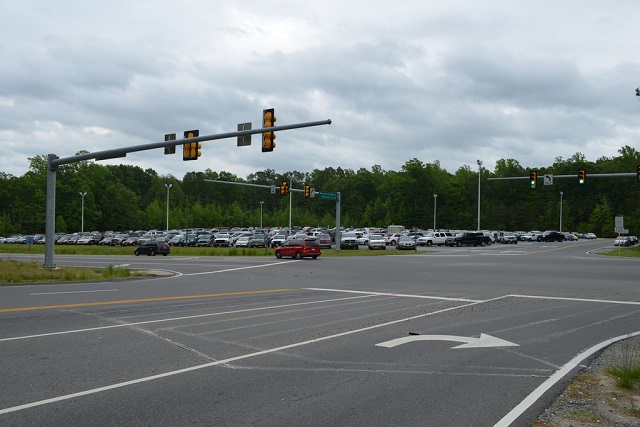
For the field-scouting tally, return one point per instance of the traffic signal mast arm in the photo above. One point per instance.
(573, 176)
(55, 161)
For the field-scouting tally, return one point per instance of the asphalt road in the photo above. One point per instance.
(447, 337)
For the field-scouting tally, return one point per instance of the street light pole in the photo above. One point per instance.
(82, 222)
(261, 203)
(435, 199)
(168, 187)
(561, 211)
(479, 174)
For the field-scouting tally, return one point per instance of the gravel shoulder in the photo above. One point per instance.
(593, 398)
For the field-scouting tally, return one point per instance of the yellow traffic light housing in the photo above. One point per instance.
(191, 150)
(268, 138)
(307, 191)
(533, 180)
(582, 175)
(284, 188)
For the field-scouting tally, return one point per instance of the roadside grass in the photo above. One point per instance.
(19, 273)
(627, 369)
(625, 252)
(183, 251)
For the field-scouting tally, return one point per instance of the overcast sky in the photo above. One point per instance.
(450, 81)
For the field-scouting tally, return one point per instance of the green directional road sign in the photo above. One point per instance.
(327, 195)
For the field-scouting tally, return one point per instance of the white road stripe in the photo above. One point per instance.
(508, 419)
(393, 294)
(218, 362)
(172, 319)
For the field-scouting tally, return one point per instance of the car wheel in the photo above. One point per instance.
(278, 254)
(459, 244)
(315, 257)
(152, 253)
(429, 243)
(483, 243)
(136, 253)
(298, 255)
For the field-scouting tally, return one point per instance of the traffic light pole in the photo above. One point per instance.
(54, 163)
(574, 176)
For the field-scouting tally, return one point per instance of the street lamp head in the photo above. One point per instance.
(168, 185)
(83, 193)
(479, 162)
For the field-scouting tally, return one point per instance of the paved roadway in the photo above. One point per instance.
(447, 337)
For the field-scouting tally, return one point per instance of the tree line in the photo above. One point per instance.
(124, 197)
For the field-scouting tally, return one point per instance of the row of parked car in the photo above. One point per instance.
(626, 241)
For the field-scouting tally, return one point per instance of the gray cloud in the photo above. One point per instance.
(452, 81)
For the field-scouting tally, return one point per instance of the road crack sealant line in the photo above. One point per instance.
(533, 397)
(223, 362)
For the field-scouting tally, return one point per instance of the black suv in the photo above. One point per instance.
(153, 247)
(550, 236)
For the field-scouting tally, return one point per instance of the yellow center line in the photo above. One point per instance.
(555, 249)
(133, 301)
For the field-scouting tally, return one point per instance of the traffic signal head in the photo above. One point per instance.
(582, 175)
(307, 191)
(191, 150)
(284, 188)
(268, 138)
(533, 180)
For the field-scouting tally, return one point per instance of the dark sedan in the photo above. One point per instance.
(153, 247)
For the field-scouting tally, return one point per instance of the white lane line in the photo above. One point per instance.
(393, 294)
(577, 299)
(75, 292)
(239, 268)
(221, 362)
(172, 319)
(508, 419)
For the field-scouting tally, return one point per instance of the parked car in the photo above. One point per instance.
(532, 236)
(392, 239)
(299, 248)
(469, 238)
(406, 242)
(204, 240)
(118, 239)
(507, 238)
(277, 240)
(324, 240)
(106, 241)
(364, 239)
(570, 237)
(435, 238)
(551, 236)
(85, 239)
(376, 241)
(349, 241)
(242, 241)
(257, 240)
(622, 241)
(131, 241)
(222, 239)
(153, 247)
(589, 236)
